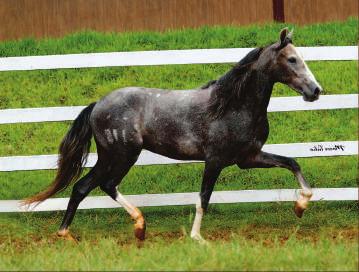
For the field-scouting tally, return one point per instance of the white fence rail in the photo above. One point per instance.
(299, 150)
(164, 57)
(193, 56)
(174, 199)
(277, 104)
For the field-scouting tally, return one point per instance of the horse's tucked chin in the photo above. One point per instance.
(310, 99)
(306, 97)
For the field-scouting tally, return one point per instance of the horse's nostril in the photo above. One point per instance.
(316, 91)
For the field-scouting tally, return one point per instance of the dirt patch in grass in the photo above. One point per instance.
(268, 237)
(257, 233)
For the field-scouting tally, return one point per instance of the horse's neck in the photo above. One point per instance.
(258, 91)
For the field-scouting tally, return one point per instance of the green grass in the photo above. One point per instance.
(242, 237)
(334, 33)
(237, 254)
(82, 86)
(248, 236)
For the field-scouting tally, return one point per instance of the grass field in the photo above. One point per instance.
(246, 236)
(243, 236)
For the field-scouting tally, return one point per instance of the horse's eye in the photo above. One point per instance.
(292, 60)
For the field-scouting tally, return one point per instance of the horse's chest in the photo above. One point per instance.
(261, 130)
(249, 128)
(236, 140)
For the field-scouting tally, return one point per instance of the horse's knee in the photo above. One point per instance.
(295, 167)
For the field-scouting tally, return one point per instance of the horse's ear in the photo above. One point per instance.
(283, 34)
(285, 37)
(290, 35)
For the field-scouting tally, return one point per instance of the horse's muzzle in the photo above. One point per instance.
(312, 95)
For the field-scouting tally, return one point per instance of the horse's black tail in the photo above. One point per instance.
(73, 153)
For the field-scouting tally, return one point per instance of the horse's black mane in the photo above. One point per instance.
(231, 84)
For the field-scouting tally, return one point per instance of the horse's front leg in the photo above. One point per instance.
(210, 176)
(267, 160)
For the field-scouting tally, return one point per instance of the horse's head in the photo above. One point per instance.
(286, 65)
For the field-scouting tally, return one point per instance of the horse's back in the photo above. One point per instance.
(155, 119)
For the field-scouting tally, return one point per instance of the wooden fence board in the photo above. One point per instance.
(53, 18)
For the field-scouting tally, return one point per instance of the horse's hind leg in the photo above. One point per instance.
(109, 187)
(80, 190)
(267, 160)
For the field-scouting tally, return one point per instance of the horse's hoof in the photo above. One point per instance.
(140, 231)
(140, 234)
(198, 238)
(298, 210)
(66, 235)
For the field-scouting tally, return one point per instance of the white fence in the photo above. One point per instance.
(315, 149)
(164, 57)
(299, 150)
(276, 104)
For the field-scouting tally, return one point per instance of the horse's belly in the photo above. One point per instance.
(179, 149)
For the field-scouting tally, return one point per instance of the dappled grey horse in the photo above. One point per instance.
(223, 123)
